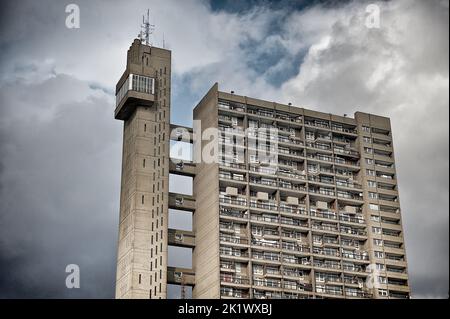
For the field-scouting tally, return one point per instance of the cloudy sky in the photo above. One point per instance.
(61, 148)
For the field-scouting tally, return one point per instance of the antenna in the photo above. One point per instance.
(146, 28)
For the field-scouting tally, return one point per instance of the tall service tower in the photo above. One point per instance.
(143, 103)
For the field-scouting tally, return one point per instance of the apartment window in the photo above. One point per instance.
(382, 292)
(376, 230)
(370, 172)
(380, 266)
(368, 150)
(369, 161)
(378, 242)
(366, 128)
(373, 195)
(382, 280)
(367, 139)
(374, 207)
(375, 218)
(378, 254)
(372, 184)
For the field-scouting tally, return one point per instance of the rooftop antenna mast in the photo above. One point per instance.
(146, 28)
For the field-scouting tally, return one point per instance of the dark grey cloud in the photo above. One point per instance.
(59, 189)
(61, 147)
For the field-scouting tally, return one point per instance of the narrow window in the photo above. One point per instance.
(142, 199)
(140, 277)
(143, 163)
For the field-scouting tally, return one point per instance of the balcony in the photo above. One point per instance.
(356, 255)
(233, 240)
(327, 264)
(181, 202)
(358, 219)
(349, 195)
(322, 214)
(181, 238)
(232, 106)
(295, 260)
(178, 276)
(291, 174)
(233, 279)
(325, 227)
(135, 90)
(260, 112)
(293, 222)
(265, 243)
(329, 291)
(357, 294)
(229, 200)
(320, 158)
(346, 152)
(322, 191)
(180, 167)
(226, 292)
(263, 181)
(257, 294)
(265, 218)
(348, 184)
(292, 285)
(233, 253)
(266, 256)
(292, 209)
(340, 160)
(321, 179)
(267, 205)
(353, 231)
(342, 129)
(235, 165)
(326, 251)
(294, 247)
(317, 123)
(233, 213)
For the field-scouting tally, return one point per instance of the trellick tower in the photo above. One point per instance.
(143, 103)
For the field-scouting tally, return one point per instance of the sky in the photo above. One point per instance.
(61, 148)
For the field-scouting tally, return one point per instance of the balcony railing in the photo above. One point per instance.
(233, 293)
(294, 222)
(323, 214)
(327, 265)
(232, 200)
(353, 231)
(357, 256)
(268, 219)
(295, 247)
(233, 279)
(326, 252)
(233, 240)
(234, 253)
(358, 220)
(263, 205)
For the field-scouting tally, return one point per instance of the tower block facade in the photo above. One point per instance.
(143, 104)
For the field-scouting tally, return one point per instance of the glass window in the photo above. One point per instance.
(370, 172)
(372, 184)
